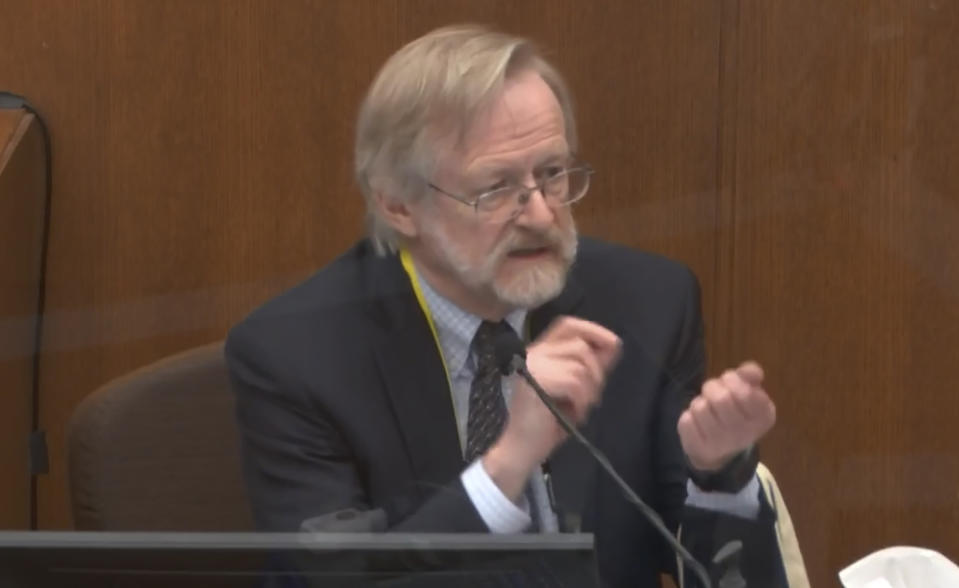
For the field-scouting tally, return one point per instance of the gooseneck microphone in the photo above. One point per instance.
(510, 357)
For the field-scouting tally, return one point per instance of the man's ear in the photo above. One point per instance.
(396, 212)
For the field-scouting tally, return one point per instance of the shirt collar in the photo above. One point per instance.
(455, 328)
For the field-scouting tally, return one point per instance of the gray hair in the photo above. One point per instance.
(435, 84)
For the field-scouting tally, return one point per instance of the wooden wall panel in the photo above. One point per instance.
(204, 164)
(22, 191)
(838, 263)
(204, 153)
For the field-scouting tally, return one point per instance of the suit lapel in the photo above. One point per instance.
(414, 378)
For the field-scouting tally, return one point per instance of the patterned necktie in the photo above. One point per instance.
(487, 410)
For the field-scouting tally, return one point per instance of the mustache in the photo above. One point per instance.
(552, 238)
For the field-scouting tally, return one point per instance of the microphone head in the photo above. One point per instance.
(507, 345)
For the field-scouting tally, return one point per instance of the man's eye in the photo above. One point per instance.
(553, 171)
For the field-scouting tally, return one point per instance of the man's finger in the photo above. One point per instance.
(689, 433)
(734, 381)
(752, 372)
(595, 372)
(572, 348)
(753, 401)
(576, 351)
(595, 334)
(728, 413)
(609, 356)
(716, 394)
(705, 419)
(737, 391)
(604, 343)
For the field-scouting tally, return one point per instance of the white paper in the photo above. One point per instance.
(901, 567)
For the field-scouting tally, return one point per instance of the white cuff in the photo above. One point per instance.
(744, 503)
(499, 513)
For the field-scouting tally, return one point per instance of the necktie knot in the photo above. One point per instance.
(484, 346)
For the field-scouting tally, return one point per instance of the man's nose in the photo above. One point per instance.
(536, 213)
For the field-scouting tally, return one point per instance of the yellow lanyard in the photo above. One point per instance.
(407, 262)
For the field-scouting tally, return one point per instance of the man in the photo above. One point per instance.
(371, 385)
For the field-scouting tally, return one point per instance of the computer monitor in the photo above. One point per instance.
(254, 560)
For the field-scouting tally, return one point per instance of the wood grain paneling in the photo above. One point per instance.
(22, 191)
(204, 164)
(204, 153)
(838, 261)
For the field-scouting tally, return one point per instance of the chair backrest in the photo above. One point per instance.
(785, 533)
(158, 450)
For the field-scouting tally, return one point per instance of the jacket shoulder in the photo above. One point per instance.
(332, 301)
(620, 270)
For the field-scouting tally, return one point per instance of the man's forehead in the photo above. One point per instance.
(524, 127)
(552, 151)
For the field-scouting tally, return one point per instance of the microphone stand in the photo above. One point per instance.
(518, 364)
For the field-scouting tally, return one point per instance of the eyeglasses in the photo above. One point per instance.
(559, 185)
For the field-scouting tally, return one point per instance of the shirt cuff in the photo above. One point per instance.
(744, 503)
(499, 513)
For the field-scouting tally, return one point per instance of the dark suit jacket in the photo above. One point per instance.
(343, 402)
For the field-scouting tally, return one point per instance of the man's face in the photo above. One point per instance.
(517, 263)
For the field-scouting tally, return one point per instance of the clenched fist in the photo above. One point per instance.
(732, 413)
